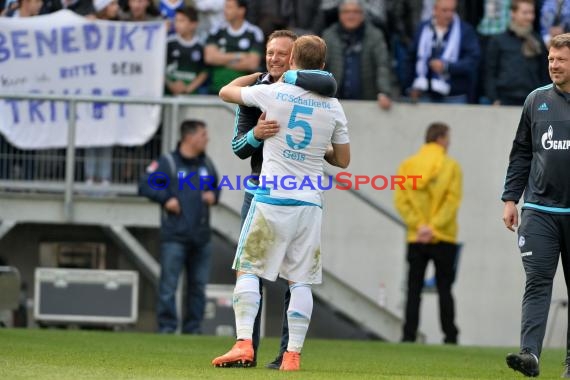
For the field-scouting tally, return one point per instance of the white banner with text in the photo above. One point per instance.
(66, 54)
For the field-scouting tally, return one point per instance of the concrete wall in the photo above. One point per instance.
(365, 249)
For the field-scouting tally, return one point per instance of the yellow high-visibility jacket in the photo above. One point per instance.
(435, 200)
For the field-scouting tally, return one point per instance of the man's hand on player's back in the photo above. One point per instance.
(265, 128)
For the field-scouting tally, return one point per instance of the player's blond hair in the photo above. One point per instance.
(309, 52)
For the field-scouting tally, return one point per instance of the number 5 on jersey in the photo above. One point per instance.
(296, 122)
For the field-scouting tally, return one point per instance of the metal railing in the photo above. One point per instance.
(58, 170)
(372, 203)
(62, 170)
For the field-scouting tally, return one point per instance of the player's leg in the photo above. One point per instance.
(260, 251)
(257, 325)
(246, 304)
(539, 245)
(418, 259)
(302, 266)
(444, 255)
(247, 199)
(276, 364)
(298, 320)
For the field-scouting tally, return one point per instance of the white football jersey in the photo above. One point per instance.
(293, 158)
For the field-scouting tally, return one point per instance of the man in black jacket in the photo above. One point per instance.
(252, 129)
(516, 61)
(185, 183)
(538, 166)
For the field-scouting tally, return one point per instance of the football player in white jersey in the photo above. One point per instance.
(282, 232)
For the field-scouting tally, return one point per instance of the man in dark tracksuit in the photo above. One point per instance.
(250, 131)
(185, 183)
(538, 165)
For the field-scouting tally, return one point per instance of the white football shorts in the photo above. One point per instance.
(281, 240)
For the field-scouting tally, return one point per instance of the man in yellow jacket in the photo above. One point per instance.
(429, 210)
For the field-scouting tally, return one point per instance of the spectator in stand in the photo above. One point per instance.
(185, 68)
(495, 18)
(405, 17)
(24, 8)
(554, 19)
(269, 15)
(81, 7)
(8, 7)
(411, 13)
(106, 9)
(329, 9)
(235, 49)
(375, 11)
(444, 58)
(358, 57)
(304, 16)
(140, 10)
(300, 16)
(210, 15)
(494, 21)
(168, 10)
(516, 60)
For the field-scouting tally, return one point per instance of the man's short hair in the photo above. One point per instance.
(309, 52)
(190, 13)
(242, 3)
(515, 4)
(435, 131)
(360, 3)
(190, 126)
(282, 33)
(560, 41)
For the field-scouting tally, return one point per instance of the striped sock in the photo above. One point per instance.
(246, 304)
(299, 315)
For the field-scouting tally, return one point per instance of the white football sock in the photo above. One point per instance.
(246, 304)
(299, 315)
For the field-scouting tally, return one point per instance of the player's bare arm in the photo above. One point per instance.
(231, 92)
(338, 155)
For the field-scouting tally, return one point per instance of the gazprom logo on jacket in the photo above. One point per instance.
(548, 143)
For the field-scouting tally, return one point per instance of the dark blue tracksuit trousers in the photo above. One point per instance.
(543, 238)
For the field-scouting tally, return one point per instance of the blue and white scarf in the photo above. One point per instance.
(439, 83)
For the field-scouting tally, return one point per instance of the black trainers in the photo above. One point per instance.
(524, 362)
(276, 364)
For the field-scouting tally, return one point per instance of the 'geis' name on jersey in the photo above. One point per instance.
(308, 124)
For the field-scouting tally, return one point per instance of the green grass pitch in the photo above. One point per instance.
(77, 354)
